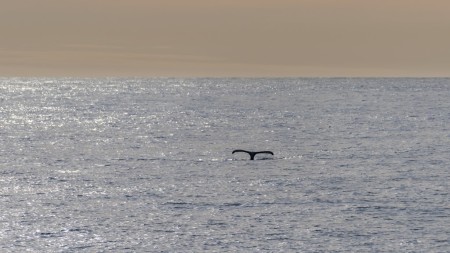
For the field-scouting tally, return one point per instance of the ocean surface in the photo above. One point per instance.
(146, 165)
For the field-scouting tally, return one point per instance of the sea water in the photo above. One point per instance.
(146, 165)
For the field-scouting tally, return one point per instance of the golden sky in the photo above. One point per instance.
(224, 38)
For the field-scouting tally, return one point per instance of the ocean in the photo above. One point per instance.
(146, 165)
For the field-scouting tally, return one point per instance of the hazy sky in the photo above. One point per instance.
(224, 38)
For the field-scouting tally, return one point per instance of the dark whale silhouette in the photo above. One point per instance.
(251, 153)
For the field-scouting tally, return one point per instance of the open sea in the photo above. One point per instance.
(146, 165)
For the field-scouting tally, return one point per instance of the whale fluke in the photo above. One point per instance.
(251, 153)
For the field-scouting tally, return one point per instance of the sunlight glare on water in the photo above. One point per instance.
(145, 165)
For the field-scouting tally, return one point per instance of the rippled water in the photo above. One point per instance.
(145, 165)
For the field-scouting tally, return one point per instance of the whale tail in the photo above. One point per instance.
(251, 153)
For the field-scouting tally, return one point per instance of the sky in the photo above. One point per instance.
(212, 38)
